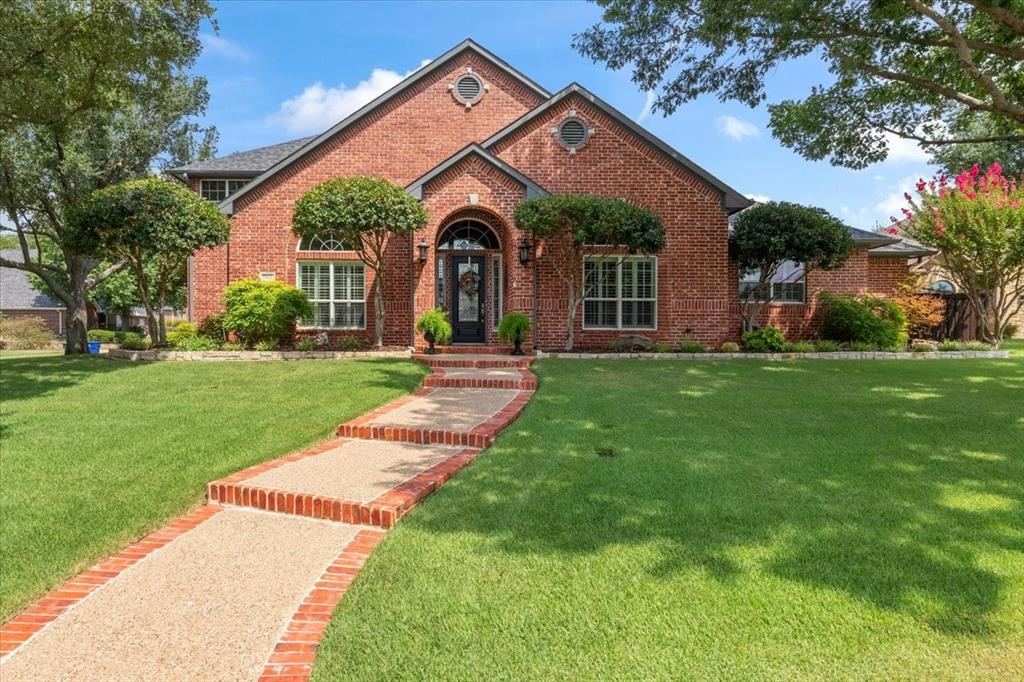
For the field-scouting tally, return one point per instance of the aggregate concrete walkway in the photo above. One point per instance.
(243, 588)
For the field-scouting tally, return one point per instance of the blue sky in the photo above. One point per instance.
(281, 70)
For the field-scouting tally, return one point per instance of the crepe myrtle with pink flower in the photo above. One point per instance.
(977, 223)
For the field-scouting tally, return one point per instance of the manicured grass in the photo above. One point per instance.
(789, 520)
(96, 452)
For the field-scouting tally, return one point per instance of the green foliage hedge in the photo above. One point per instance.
(102, 335)
(764, 340)
(864, 320)
(133, 341)
(258, 310)
(25, 333)
(180, 331)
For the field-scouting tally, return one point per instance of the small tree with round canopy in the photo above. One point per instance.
(153, 225)
(365, 212)
(768, 235)
(574, 225)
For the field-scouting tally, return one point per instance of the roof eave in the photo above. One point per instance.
(531, 189)
(732, 201)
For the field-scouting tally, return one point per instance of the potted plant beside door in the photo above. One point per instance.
(435, 329)
(513, 328)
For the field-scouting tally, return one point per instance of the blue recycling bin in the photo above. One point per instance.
(94, 347)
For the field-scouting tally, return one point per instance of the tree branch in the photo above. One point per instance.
(105, 273)
(1004, 16)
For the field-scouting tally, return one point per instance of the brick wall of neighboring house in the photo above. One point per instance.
(695, 290)
(400, 140)
(54, 319)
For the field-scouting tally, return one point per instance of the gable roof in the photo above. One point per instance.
(532, 189)
(16, 290)
(249, 163)
(228, 205)
(870, 239)
(731, 199)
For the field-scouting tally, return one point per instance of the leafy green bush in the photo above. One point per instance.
(975, 345)
(212, 327)
(133, 341)
(25, 333)
(948, 345)
(691, 347)
(267, 344)
(258, 310)
(1010, 330)
(826, 346)
(434, 326)
(865, 319)
(102, 335)
(196, 343)
(306, 343)
(232, 346)
(351, 343)
(730, 347)
(763, 340)
(514, 325)
(660, 348)
(798, 347)
(178, 331)
(864, 347)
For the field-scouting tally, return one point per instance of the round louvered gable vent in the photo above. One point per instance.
(468, 88)
(572, 132)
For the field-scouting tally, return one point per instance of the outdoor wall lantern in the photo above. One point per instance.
(524, 251)
(423, 246)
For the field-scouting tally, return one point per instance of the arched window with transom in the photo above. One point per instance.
(327, 240)
(468, 235)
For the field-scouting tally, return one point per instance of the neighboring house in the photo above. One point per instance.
(18, 298)
(470, 137)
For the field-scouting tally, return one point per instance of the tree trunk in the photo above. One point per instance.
(570, 336)
(76, 341)
(161, 297)
(378, 311)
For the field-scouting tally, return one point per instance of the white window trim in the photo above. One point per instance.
(498, 303)
(775, 301)
(224, 180)
(331, 300)
(618, 260)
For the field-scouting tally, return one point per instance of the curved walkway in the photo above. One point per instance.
(243, 587)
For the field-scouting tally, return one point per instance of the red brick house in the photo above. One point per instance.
(470, 137)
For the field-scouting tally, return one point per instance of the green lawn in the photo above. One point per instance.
(789, 520)
(94, 453)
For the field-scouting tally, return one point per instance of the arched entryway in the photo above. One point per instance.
(469, 278)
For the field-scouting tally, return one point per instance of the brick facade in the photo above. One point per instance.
(407, 135)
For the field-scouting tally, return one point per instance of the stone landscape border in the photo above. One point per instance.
(842, 355)
(250, 355)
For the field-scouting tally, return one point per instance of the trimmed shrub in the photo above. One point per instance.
(178, 331)
(798, 347)
(258, 310)
(434, 326)
(133, 341)
(864, 319)
(826, 346)
(691, 347)
(196, 343)
(25, 333)
(102, 335)
(764, 340)
(730, 347)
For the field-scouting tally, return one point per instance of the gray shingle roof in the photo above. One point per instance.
(906, 247)
(866, 238)
(248, 163)
(16, 290)
(532, 189)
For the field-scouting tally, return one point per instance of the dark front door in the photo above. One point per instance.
(469, 286)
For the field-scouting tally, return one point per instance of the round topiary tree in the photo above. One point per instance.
(770, 234)
(365, 212)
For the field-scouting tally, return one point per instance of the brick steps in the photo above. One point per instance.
(484, 362)
(439, 378)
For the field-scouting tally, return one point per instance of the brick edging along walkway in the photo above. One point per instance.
(293, 656)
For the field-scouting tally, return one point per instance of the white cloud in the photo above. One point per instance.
(225, 48)
(879, 177)
(759, 198)
(892, 204)
(903, 150)
(648, 105)
(735, 128)
(319, 107)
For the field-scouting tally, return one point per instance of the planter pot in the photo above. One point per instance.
(430, 349)
(518, 350)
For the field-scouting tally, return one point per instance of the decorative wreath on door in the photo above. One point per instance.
(469, 283)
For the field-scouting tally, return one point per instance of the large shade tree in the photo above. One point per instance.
(977, 224)
(91, 94)
(914, 69)
(153, 225)
(365, 213)
(769, 235)
(570, 227)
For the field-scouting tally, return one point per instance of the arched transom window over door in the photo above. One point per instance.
(467, 235)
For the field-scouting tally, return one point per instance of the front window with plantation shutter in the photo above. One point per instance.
(337, 290)
(622, 293)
